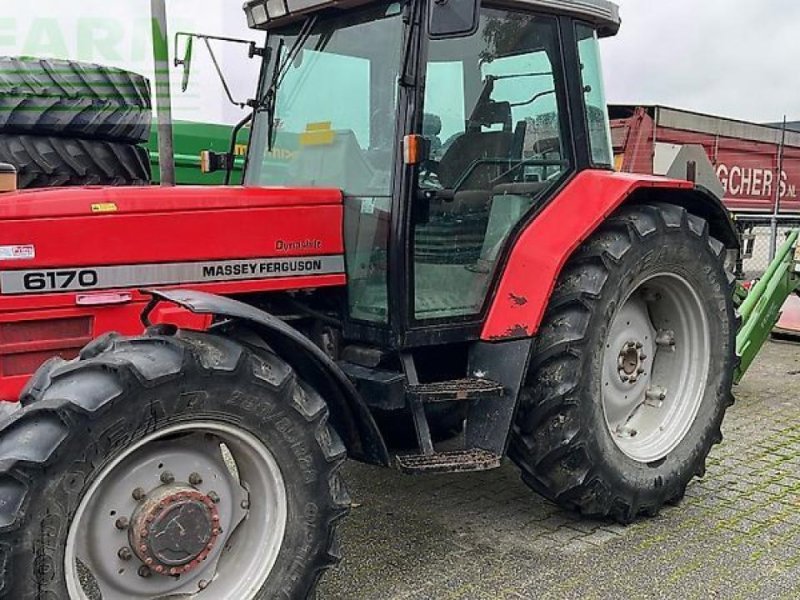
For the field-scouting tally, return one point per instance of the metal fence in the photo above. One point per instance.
(758, 241)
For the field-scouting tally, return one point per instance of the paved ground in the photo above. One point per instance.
(486, 536)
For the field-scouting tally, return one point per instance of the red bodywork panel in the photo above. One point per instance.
(547, 243)
(94, 247)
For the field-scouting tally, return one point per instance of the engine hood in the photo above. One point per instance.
(72, 202)
(217, 239)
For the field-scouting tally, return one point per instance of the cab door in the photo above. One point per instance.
(495, 107)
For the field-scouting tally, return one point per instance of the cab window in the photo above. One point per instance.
(492, 116)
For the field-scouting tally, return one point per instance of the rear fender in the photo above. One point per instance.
(545, 245)
(349, 414)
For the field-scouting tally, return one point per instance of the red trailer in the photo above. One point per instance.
(756, 164)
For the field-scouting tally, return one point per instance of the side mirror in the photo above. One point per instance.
(453, 18)
(187, 63)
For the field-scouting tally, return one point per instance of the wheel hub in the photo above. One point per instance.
(631, 362)
(174, 529)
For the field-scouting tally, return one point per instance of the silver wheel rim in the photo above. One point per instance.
(655, 367)
(230, 468)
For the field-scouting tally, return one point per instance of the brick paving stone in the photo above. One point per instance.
(736, 535)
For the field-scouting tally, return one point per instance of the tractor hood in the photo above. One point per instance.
(225, 240)
(80, 201)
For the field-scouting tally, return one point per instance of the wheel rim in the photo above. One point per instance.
(655, 367)
(197, 508)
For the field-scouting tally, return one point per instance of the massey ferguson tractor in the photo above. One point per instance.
(447, 256)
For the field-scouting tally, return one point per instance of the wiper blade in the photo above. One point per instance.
(279, 73)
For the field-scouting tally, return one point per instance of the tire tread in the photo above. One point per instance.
(72, 99)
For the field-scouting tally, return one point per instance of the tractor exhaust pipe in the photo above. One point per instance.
(166, 150)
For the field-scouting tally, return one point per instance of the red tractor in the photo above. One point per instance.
(448, 253)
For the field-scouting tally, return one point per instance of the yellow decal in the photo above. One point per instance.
(104, 207)
(318, 134)
(618, 160)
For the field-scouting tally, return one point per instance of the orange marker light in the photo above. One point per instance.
(412, 149)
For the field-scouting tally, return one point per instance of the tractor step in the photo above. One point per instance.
(470, 388)
(460, 461)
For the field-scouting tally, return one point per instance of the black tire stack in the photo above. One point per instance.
(65, 123)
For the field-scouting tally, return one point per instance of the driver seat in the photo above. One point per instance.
(475, 144)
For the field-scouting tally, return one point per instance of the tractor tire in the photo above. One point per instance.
(71, 99)
(57, 162)
(632, 369)
(139, 434)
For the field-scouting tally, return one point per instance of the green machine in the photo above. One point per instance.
(761, 307)
(191, 140)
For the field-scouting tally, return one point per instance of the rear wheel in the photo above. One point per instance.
(188, 465)
(632, 369)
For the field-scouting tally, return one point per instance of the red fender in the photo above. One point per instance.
(549, 240)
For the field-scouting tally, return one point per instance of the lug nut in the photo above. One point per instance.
(213, 496)
(639, 345)
(202, 584)
(121, 523)
(167, 477)
(144, 571)
(195, 479)
(245, 504)
(125, 553)
(139, 494)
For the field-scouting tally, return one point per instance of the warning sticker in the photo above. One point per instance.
(26, 252)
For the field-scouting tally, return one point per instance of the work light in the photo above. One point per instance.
(276, 9)
(256, 13)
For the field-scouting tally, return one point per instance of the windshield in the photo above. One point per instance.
(334, 119)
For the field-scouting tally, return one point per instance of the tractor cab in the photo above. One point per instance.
(446, 126)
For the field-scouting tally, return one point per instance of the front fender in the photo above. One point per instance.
(349, 414)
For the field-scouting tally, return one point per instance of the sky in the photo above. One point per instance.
(734, 58)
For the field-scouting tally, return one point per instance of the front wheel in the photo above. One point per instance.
(167, 466)
(632, 370)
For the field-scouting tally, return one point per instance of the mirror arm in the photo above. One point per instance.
(221, 75)
(253, 50)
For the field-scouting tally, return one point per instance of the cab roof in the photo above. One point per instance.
(266, 14)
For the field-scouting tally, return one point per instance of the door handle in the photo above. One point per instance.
(104, 299)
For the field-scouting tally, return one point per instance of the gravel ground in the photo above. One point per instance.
(486, 536)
